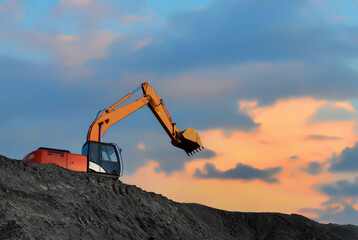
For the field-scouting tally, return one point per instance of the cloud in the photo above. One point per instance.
(294, 157)
(258, 63)
(346, 161)
(241, 171)
(126, 20)
(329, 112)
(91, 9)
(42, 94)
(157, 144)
(11, 12)
(214, 93)
(141, 146)
(346, 215)
(343, 194)
(63, 49)
(74, 51)
(199, 36)
(321, 137)
(88, 16)
(26, 44)
(340, 208)
(268, 82)
(320, 3)
(279, 56)
(231, 32)
(314, 168)
(264, 82)
(221, 114)
(340, 188)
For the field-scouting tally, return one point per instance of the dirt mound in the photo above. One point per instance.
(48, 202)
(347, 232)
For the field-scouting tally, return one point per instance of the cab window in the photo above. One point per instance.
(109, 153)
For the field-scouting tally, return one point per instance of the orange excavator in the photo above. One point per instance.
(105, 158)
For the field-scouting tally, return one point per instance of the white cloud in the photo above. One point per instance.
(64, 49)
(73, 50)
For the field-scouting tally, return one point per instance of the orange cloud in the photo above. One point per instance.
(283, 133)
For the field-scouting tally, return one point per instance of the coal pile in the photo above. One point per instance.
(40, 201)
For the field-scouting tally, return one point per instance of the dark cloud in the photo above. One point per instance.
(340, 188)
(294, 157)
(338, 193)
(329, 112)
(346, 161)
(314, 168)
(272, 81)
(214, 114)
(241, 171)
(229, 32)
(347, 215)
(321, 137)
(274, 56)
(43, 89)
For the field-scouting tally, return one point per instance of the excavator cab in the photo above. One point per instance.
(103, 158)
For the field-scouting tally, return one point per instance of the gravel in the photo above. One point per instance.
(45, 201)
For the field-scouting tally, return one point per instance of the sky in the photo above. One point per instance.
(270, 86)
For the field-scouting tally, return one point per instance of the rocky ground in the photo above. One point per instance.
(48, 202)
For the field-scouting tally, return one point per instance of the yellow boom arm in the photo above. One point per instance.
(188, 140)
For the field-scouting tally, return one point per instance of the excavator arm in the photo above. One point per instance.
(188, 140)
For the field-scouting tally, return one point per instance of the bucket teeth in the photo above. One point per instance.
(192, 152)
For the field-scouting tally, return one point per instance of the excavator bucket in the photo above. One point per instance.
(189, 141)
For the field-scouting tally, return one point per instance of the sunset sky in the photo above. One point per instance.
(270, 86)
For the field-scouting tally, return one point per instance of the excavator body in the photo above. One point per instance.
(60, 157)
(105, 158)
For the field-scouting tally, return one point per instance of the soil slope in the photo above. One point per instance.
(48, 202)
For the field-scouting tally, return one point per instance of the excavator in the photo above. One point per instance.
(105, 158)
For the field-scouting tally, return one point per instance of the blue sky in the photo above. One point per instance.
(62, 61)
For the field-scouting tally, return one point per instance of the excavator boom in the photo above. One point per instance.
(188, 140)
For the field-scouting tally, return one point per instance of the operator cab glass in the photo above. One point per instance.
(102, 158)
(109, 153)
